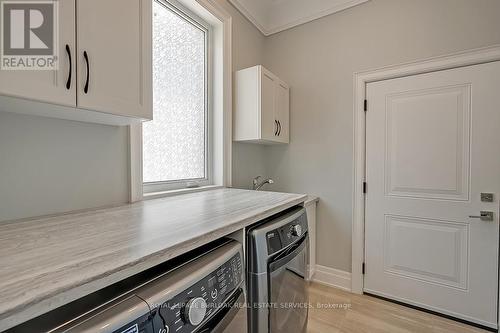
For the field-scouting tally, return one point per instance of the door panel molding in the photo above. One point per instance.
(402, 177)
(454, 236)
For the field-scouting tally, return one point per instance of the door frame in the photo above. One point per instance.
(361, 79)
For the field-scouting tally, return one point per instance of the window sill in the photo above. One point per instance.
(162, 194)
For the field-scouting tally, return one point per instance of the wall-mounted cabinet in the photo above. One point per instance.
(104, 73)
(262, 107)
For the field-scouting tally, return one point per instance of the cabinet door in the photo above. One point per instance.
(114, 56)
(44, 85)
(268, 121)
(282, 111)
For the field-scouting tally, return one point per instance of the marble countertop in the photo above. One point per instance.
(51, 261)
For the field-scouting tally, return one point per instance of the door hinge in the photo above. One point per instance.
(366, 105)
(364, 187)
(363, 268)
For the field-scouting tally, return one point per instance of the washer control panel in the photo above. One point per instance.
(281, 237)
(189, 308)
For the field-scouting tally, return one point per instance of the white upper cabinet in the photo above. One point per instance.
(109, 78)
(114, 56)
(51, 86)
(262, 107)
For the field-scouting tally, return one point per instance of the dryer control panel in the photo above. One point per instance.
(287, 234)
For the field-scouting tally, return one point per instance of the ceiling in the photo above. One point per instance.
(272, 16)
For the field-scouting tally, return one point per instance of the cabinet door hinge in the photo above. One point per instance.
(364, 187)
(366, 105)
(363, 268)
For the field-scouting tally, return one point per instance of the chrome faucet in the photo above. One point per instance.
(257, 186)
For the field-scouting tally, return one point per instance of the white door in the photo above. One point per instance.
(57, 86)
(282, 111)
(114, 56)
(432, 148)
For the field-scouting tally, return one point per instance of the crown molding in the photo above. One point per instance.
(243, 10)
(269, 18)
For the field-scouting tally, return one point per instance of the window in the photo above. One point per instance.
(188, 144)
(176, 144)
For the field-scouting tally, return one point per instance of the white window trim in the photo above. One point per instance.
(178, 184)
(221, 120)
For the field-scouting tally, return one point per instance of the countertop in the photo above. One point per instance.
(48, 262)
(310, 199)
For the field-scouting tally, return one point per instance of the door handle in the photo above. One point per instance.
(86, 57)
(485, 216)
(275, 127)
(279, 126)
(68, 82)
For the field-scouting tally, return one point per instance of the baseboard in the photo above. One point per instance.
(332, 277)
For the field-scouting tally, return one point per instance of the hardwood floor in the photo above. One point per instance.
(351, 313)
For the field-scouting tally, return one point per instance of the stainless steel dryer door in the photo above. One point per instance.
(288, 290)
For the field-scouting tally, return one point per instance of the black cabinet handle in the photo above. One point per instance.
(275, 127)
(68, 82)
(279, 128)
(86, 88)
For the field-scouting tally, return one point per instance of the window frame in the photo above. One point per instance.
(220, 20)
(180, 184)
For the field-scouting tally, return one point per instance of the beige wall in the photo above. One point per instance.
(318, 60)
(49, 166)
(248, 50)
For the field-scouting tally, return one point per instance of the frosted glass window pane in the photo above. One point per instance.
(174, 142)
